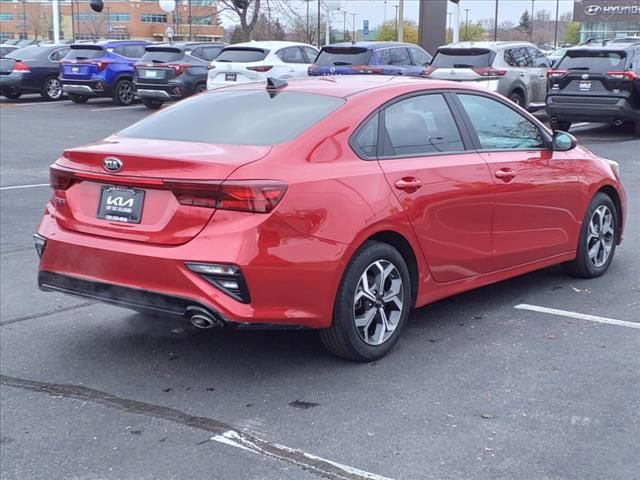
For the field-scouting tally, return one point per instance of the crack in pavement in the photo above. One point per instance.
(316, 465)
(46, 314)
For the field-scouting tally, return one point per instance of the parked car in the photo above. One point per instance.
(382, 58)
(555, 57)
(596, 84)
(101, 69)
(32, 69)
(12, 41)
(517, 70)
(173, 71)
(7, 49)
(335, 205)
(255, 61)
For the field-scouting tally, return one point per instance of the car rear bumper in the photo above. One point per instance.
(91, 88)
(166, 91)
(292, 279)
(11, 82)
(575, 108)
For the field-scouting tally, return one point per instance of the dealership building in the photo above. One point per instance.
(602, 19)
(120, 19)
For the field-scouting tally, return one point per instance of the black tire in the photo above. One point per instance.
(75, 98)
(637, 128)
(201, 87)
(152, 103)
(124, 92)
(517, 97)
(343, 338)
(583, 266)
(12, 94)
(52, 89)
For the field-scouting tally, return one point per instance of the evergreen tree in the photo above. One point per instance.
(525, 21)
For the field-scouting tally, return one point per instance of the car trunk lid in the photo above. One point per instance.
(82, 62)
(464, 64)
(239, 65)
(139, 200)
(339, 60)
(159, 65)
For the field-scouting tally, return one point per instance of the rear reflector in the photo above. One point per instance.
(489, 72)
(258, 196)
(21, 67)
(227, 278)
(627, 75)
(261, 68)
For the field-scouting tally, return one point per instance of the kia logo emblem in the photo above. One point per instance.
(112, 164)
(585, 77)
(593, 10)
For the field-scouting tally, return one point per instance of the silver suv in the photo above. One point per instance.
(517, 70)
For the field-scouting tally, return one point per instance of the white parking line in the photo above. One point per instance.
(579, 316)
(327, 468)
(106, 109)
(37, 104)
(18, 187)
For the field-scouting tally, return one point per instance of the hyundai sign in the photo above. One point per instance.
(606, 10)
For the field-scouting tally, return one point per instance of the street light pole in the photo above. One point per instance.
(555, 35)
(319, 43)
(449, 28)
(495, 26)
(396, 7)
(190, 22)
(531, 33)
(56, 21)
(308, 39)
(354, 27)
(400, 21)
(24, 19)
(344, 26)
(466, 23)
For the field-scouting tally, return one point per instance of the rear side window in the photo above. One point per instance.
(463, 58)
(598, 61)
(83, 53)
(335, 56)
(209, 53)
(130, 51)
(252, 117)
(242, 55)
(498, 127)
(161, 55)
(420, 125)
(518, 57)
(420, 57)
(291, 55)
(58, 55)
(399, 56)
(365, 141)
(311, 53)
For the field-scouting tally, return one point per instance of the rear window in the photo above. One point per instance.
(242, 55)
(251, 118)
(463, 58)
(84, 53)
(598, 61)
(335, 56)
(161, 55)
(26, 53)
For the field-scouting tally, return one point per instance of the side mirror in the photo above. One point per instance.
(96, 5)
(563, 141)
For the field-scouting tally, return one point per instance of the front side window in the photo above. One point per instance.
(420, 125)
(420, 57)
(499, 127)
(399, 56)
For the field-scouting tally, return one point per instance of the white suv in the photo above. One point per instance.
(255, 61)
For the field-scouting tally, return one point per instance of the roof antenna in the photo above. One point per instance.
(274, 85)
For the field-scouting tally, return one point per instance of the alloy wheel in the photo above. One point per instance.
(378, 302)
(125, 92)
(54, 88)
(601, 236)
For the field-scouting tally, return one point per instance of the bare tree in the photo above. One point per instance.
(94, 25)
(248, 16)
(39, 20)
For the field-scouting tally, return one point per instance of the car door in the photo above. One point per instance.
(538, 74)
(444, 188)
(536, 213)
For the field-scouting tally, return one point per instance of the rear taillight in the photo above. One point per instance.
(366, 69)
(179, 69)
(60, 179)
(101, 65)
(211, 67)
(261, 68)
(428, 71)
(489, 72)
(556, 73)
(626, 75)
(258, 196)
(21, 67)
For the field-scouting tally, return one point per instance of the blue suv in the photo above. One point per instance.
(381, 58)
(101, 69)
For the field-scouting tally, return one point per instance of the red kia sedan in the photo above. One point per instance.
(337, 204)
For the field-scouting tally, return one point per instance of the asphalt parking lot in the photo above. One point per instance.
(476, 388)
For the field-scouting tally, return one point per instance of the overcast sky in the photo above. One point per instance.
(374, 10)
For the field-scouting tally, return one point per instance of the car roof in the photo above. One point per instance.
(487, 45)
(182, 45)
(350, 85)
(116, 43)
(615, 47)
(372, 45)
(270, 45)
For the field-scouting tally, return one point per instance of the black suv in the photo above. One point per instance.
(173, 71)
(595, 84)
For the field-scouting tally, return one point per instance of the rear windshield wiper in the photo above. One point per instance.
(578, 68)
(340, 64)
(463, 65)
(82, 58)
(223, 60)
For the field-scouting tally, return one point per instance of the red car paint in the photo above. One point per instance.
(467, 220)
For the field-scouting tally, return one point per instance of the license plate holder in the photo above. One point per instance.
(585, 86)
(150, 73)
(230, 77)
(121, 204)
(75, 69)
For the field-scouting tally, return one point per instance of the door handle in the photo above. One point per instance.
(505, 174)
(408, 184)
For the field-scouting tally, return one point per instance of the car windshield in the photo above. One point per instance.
(84, 53)
(463, 58)
(598, 61)
(251, 117)
(242, 55)
(161, 55)
(335, 56)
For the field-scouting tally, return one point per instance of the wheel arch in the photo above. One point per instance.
(613, 194)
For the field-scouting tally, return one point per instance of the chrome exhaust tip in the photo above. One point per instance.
(202, 321)
(617, 123)
(201, 318)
